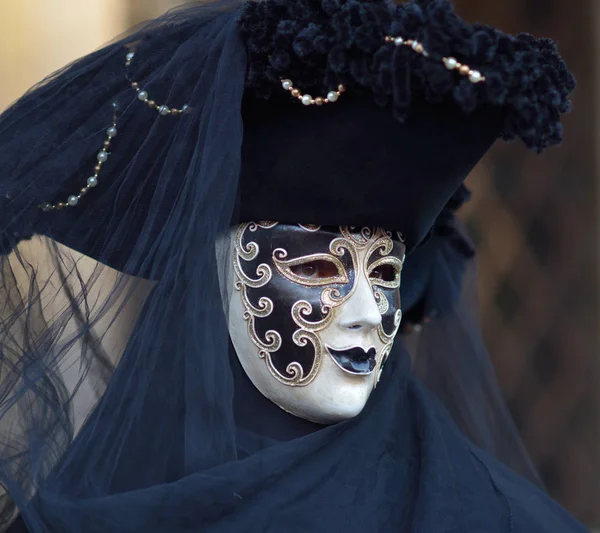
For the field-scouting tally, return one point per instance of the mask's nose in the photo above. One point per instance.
(360, 311)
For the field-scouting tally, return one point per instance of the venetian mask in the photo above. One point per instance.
(314, 312)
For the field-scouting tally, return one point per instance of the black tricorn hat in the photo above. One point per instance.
(354, 113)
(353, 163)
(411, 98)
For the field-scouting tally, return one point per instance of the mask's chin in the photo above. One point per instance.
(355, 360)
(334, 396)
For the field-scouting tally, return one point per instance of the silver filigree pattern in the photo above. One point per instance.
(302, 309)
(391, 261)
(383, 336)
(383, 357)
(383, 305)
(310, 227)
(249, 253)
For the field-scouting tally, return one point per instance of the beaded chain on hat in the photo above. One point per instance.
(111, 132)
(451, 63)
(332, 96)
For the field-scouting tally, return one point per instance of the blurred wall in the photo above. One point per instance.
(140, 10)
(40, 36)
(535, 223)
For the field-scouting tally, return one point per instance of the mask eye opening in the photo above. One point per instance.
(316, 269)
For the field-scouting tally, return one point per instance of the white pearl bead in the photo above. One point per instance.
(102, 156)
(332, 96)
(286, 84)
(92, 181)
(307, 99)
(450, 63)
(475, 76)
(111, 132)
(143, 96)
(130, 56)
(164, 110)
(73, 200)
(46, 206)
(185, 108)
(415, 45)
(398, 41)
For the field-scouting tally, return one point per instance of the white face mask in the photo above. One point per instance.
(313, 313)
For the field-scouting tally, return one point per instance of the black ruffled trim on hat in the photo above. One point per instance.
(319, 44)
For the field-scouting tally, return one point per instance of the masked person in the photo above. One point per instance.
(204, 229)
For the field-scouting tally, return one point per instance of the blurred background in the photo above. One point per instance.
(535, 222)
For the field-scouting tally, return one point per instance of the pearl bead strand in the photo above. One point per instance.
(451, 63)
(307, 99)
(143, 95)
(101, 157)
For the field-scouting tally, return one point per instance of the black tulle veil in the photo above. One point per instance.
(121, 408)
(61, 310)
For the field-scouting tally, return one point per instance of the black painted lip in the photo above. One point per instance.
(355, 360)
